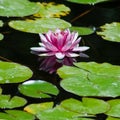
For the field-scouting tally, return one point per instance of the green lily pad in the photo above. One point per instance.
(17, 8)
(59, 113)
(1, 23)
(7, 102)
(91, 79)
(51, 9)
(0, 90)
(13, 73)
(38, 107)
(114, 110)
(38, 89)
(87, 1)
(110, 32)
(1, 35)
(88, 106)
(83, 30)
(39, 25)
(16, 115)
(112, 118)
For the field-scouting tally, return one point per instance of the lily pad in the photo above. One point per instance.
(110, 32)
(38, 107)
(59, 113)
(0, 90)
(17, 8)
(83, 30)
(1, 35)
(7, 102)
(51, 9)
(87, 1)
(91, 79)
(13, 73)
(88, 106)
(114, 110)
(39, 25)
(112, 118)
(38, 89)
(16, 115)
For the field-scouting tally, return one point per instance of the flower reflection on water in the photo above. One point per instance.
(51, 64)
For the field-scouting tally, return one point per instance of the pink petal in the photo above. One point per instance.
(38, 49)
(60, 55)
(81, 49)
(72, 55)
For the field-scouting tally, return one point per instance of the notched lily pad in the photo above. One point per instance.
(110, 32)
(17, 8)
(13, 73)
(51, 9)
(7, 102)
(38, 89)
(83, 30)
(88, 106)
(114, 110)
(87, 1)
(39, 25)
(91, 79)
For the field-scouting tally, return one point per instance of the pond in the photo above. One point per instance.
(83, 87)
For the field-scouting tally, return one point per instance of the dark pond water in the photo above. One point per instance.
(16, 45)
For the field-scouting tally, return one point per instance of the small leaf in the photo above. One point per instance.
(114, 110)
(110, 32)
(87, 1)
(16, 115)
(83, 30)
(39, 25)
(13, 73)
(7, 102)
(37, 108)
(38, 89)
(17, 8)
(1, 23)
(51, 9)
(1, 36)
(112, 118)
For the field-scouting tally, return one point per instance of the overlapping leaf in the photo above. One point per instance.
(52, 10)
(91, 79)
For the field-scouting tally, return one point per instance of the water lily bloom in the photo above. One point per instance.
(61, 43)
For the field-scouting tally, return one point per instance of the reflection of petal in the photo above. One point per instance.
(84, 55)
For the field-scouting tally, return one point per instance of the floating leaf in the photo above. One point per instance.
(87, 107)
(52, 10)
(37, 108)
(0, 90)
(87, 1)
(13, 72)
(16, 115)
(110, 32)
(1, 23)
(83, 30)
(17, 8)
(39, 25)
(1, 35)
(38, 89)
(7, 102)
(114, 110)
(59, 113)
(91, 79)
(112, 118)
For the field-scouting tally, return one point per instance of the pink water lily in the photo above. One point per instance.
(61, 43)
